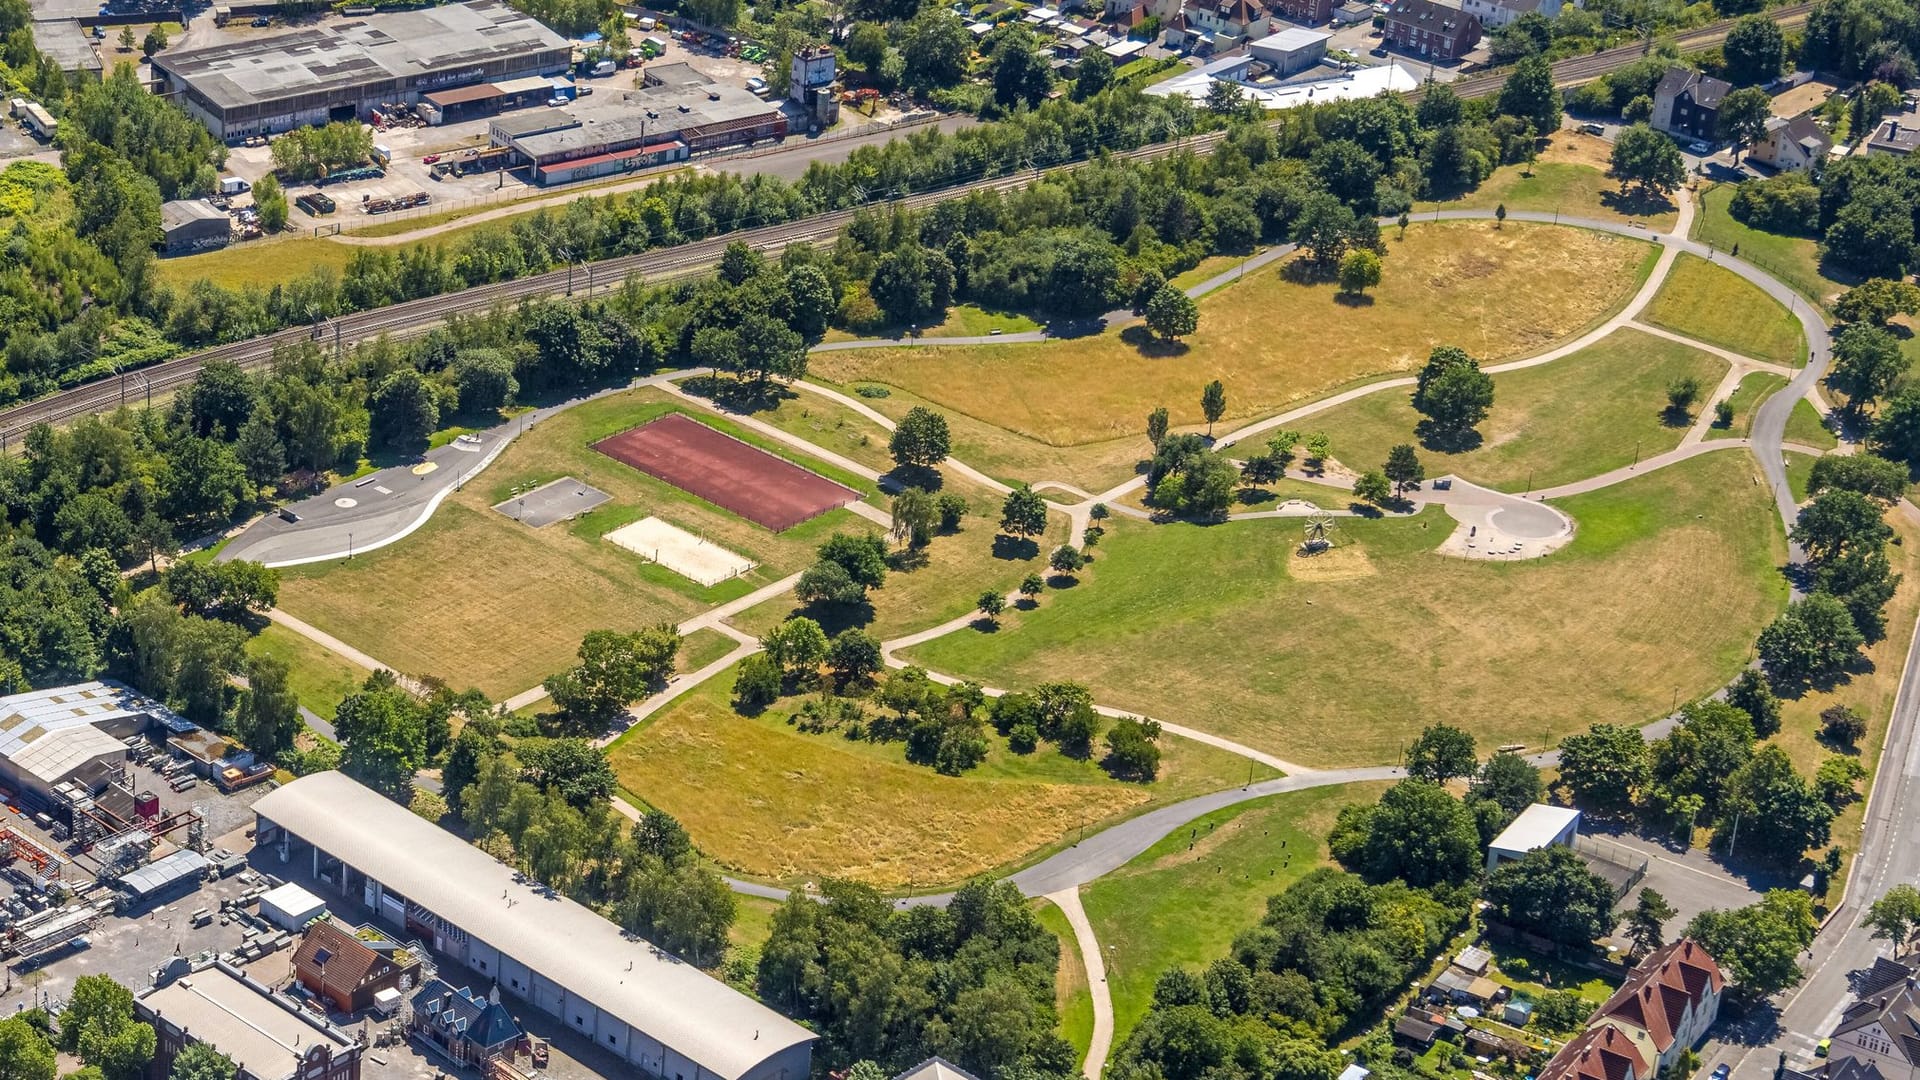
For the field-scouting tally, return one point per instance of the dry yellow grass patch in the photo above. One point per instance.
(1499, 293)
(1334, 564)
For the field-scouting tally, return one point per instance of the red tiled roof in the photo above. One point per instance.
(1659, 990)
(1599, 1053)
(336, 959)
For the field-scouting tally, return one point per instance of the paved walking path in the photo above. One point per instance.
(1068, 901)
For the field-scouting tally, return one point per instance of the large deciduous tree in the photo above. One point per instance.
(1551, 892)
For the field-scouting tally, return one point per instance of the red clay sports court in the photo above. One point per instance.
(721, 469)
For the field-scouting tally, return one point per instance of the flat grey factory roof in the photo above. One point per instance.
(181, 211)
(160, 873)
(69, 45)
(263, 1037)
(395, 45)
(703, 105)
(721, 1029)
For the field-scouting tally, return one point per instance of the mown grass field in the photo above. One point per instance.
(703, 647)
(1807, 427)
(478, 599)
(763, 799)
(1569, 177)
(1579, 416)
(1181, 902)
(1072, 996)
(318, 678)
(1271, 339)
(1223, 627)
(1754, 388)
(1713, 304)
(1795, 260)
(963, 320)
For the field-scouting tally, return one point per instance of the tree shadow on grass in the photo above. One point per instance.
(738, 395)
(1674, 416)
(1062, 582)
(1442, 440)
(984, 625)
(1637, 202)
(901, 477)
(1353, 300)
(1253, 496)
(1015, 548)
(1146, 344)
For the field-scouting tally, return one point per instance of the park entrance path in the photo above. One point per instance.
(1095, 965)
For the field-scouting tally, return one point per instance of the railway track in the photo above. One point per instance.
(419, 316)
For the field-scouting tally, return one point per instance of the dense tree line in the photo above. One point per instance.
(973, 981)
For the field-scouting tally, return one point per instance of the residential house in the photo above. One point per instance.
(1881, 1027)
(1673, 995)
(1599, 1053)
(1897, 135)
(1494, 14)
(468, 1029)
(1837, 1069)
(1687, 104)
(1796, 145)
(337, 966)
(1215, 24)
(1429, 29)
(1311, 12)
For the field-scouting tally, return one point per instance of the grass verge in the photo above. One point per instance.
(1714, 304)
(319, 678)
(1071, 994)
(1755, 387)
(1807, 427)
(1795, 260)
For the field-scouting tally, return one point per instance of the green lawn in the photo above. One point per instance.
(1754, 388)
(1716, 305)
(963, 320)
(1225, 628)
(1799, 474)
(1071, 994)
(1182, 901)
(764, 799)
(1806, 426)
(318, 677)
(703, 647)
(1569, 177)
(1576, 417)
(1795, 260)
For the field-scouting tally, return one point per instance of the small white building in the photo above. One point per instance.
(1292, 50)
(1538, 826)
(291, 907)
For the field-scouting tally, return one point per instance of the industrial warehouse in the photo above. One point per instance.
(679, 114)
(346, 70)
(664, 1017)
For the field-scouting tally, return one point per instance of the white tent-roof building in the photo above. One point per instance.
(634, 1000)
(48, 737)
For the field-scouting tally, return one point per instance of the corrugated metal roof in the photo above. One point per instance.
(161, 873)
(48, 733)
(724, 1031)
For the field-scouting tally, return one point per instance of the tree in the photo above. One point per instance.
(828, 583)
(1066, 559)
(269, 714)
(991, 604)
(99, 1026)
(1441, 753)
(1867, 364)
(155, 41)
(1771, 813)
(1020, 72)
(862, 555)
(403, 410)
(1869, 474)
(572, 768)
(920, 440)
(1403, 467)
(1814, 639)
(1648, 159)
(1172, 314)
(615, 669)
(1529, 94)
(1681, 394)
(1646, 926)
(1896, 429)
(1750, 694)
(1508, 780)
(935, 48)
(1876, 301)
(915, 516)
(798, 646)
(259, 450)
(1550, 892)
(1023, 513)
(271, 203)
(1092, 74)
(1895, 915)
(1417, 833)
(1755, 51)
(126, 39)
(1031, 587)
(756, 685)
(1838, 781)
(1842, 725)
(200, 1061)
(1743, 116)
(25, 1052)
(1452, 393)
(1157, 426)
(1838, 521)
(854, 655)
(484, 379)
(1359, 271)
(1604, 767)
(383, 733)
(1562, 1011)
(1132, 750)
(1758, 946)
(1213, 403)
(220, 400)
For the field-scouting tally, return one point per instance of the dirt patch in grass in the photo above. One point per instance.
(1663, 589)
(1716, 305)
(764, 799)
(1579, 416)
(478, 599)
(1499, 293)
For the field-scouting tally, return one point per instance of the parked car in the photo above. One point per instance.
(430, 159)
(262, 20)
(1593, 129)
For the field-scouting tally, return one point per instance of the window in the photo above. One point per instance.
(610, 1039)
